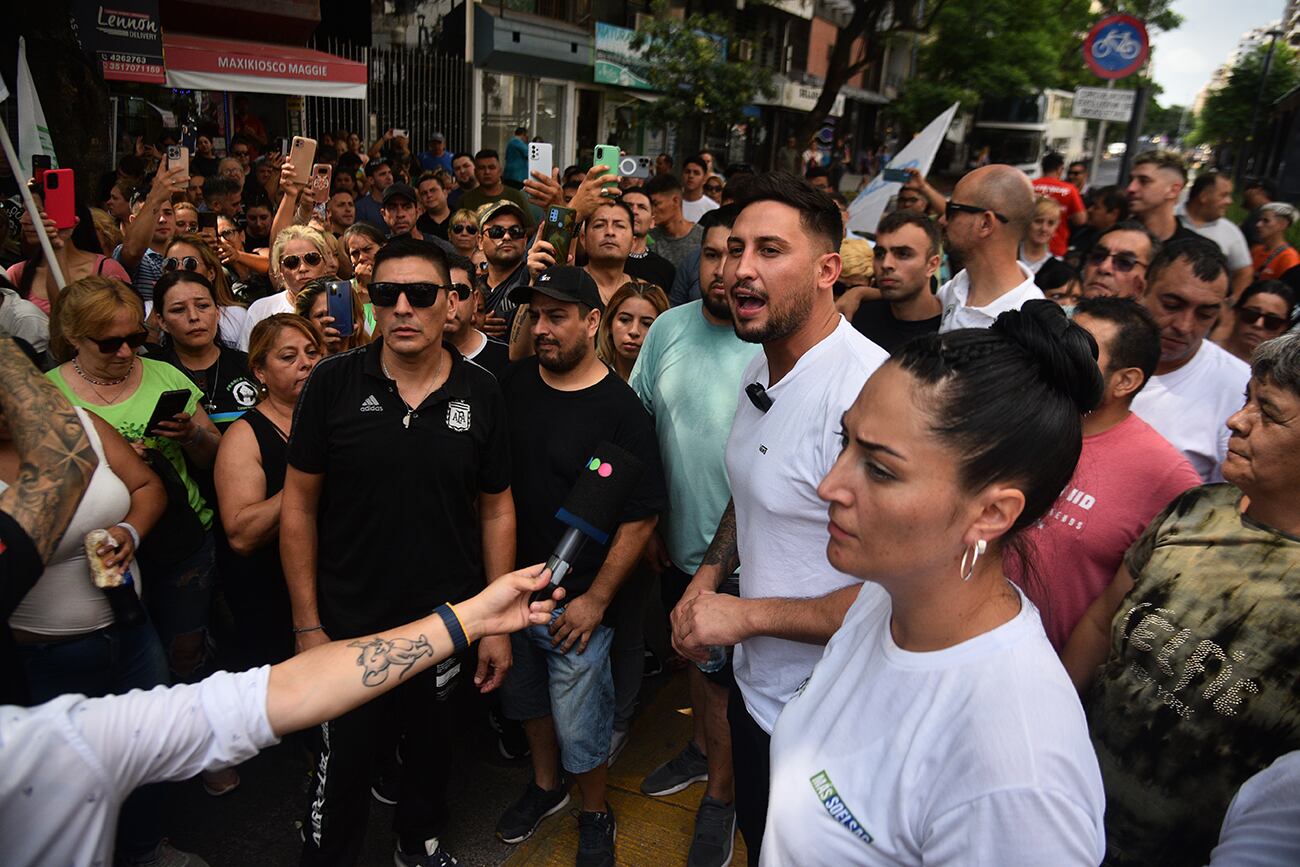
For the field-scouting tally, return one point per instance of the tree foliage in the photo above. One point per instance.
(1226, 116)
(687, 61)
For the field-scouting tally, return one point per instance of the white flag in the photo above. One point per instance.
(33, 133)
(868, 207)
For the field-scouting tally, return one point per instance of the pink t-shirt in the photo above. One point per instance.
(1125, 477)
(103, 265)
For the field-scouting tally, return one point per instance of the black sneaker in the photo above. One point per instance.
(652, 666)
(512, 743)
(687, 767)
(715, 834)
(596, 835)
(435, 856)
(522, 817)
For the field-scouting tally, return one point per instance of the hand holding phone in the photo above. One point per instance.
(608, 156)
(60, 198)
(178, 156)
(320, 182)
(557, 230)
(896, 176)
(339, 306)
(634, 166)
(170, 404)
(302, 153)
(539, 158)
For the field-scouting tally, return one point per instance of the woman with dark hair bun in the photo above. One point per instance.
(939, 726)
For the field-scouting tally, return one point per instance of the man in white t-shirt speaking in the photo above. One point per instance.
(1197, 385)
(1204, 213)
(782, 264)
(983, 225)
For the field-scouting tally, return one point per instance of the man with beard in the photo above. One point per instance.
(504, 239)
(907, 257)
(643, 263)
(150, 229)
(781, 268)
(692, 417)
(462, 167)
(984, 223)
(564, 403)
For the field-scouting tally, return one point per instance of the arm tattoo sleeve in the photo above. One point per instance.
(55, 456)
(380, 656)
(723, 551)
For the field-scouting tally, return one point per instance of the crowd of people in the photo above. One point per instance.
(976, 535)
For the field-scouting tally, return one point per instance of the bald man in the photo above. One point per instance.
(985, 220)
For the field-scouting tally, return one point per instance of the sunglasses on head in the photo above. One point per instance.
(463, 228)
(187, 263)
(110, 345)
(1124, 260)
(291, 262)
(954, 208)
(417, 294)
(496, 233)
(1250, 316)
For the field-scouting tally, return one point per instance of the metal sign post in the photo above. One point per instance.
(1115, 48)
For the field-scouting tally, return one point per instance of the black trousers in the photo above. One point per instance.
(352, 749)
(751, 762)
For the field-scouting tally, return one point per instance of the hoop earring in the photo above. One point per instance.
(980, 547)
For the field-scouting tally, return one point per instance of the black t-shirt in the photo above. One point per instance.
(428, 226)
(398, 525)
(1182, 233)
(493, 357)
(553, 435)
(229, 390)
(650, 267)
(875, 320)
(20, 569)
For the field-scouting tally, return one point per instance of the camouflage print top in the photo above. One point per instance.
(1200, 690)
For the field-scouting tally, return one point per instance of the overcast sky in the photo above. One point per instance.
(1185, 58)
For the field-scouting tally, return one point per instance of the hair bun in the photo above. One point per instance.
(1066, 355)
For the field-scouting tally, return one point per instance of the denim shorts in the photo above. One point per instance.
(577, 690)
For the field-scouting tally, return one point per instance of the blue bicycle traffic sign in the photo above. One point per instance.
(1116, 47)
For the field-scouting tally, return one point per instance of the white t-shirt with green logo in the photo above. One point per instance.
(975, 754)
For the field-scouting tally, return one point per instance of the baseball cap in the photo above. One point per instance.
(563, 283)
(491, 209)
(399, 189)
(437, 136)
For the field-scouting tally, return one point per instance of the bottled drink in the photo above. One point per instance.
(127, 610)
(717, 659)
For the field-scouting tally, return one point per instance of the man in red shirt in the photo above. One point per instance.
(1073, 213)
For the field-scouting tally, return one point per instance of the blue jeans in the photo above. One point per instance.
(577, 690)
(109, 661)
(179, 600)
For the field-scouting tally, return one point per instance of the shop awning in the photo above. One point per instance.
(199, 63)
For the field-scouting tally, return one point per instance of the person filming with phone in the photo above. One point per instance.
(159, 410)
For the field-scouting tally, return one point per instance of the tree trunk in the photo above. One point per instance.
(840, 69)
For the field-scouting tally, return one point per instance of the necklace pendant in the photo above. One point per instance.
(406, 420)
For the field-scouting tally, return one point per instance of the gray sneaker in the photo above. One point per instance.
(715, 834)
(167, 855)
(688, 766)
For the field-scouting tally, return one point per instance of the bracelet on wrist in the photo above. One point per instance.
(459, 640)
(299, 630)
(134, 533)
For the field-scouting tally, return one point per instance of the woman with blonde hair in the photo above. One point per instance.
(462, 231)
(194, 253)
(283, 349)
(1035, 249)
(300, 254)
(99, 329)
(107, 230)
(312, 304)
(628, 316)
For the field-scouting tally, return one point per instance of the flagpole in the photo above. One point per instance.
(32, 211)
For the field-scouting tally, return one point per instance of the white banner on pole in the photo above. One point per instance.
(866, 210)
(1100, 103)
(33, 133)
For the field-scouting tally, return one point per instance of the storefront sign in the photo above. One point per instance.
(200, 63)
(801, 97)
(125, 36)
(617, 62)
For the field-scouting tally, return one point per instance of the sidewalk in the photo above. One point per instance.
(650, 830)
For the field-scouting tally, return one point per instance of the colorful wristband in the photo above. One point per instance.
(459, 641)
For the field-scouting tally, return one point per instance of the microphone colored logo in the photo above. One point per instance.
(603, 468)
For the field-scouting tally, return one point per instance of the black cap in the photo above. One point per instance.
(400, 189)
(563, 283)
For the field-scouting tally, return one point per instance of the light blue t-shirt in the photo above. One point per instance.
(688, 377)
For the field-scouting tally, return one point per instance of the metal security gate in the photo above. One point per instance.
(420, 90)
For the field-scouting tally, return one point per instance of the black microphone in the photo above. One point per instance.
(591, 511)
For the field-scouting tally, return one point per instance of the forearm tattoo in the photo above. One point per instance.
(55, 457)
(723, 551)
(380, 656)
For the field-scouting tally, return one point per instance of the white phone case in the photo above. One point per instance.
(539, 158)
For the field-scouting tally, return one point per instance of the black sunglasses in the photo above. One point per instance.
(496, 233)
(712, 188)
(417, 294)
(1250, 316)
(461, 289)
(1124, 260)
(291, 261)
(463, 228)
(110, 345)
(954, 208)
(189, 263)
